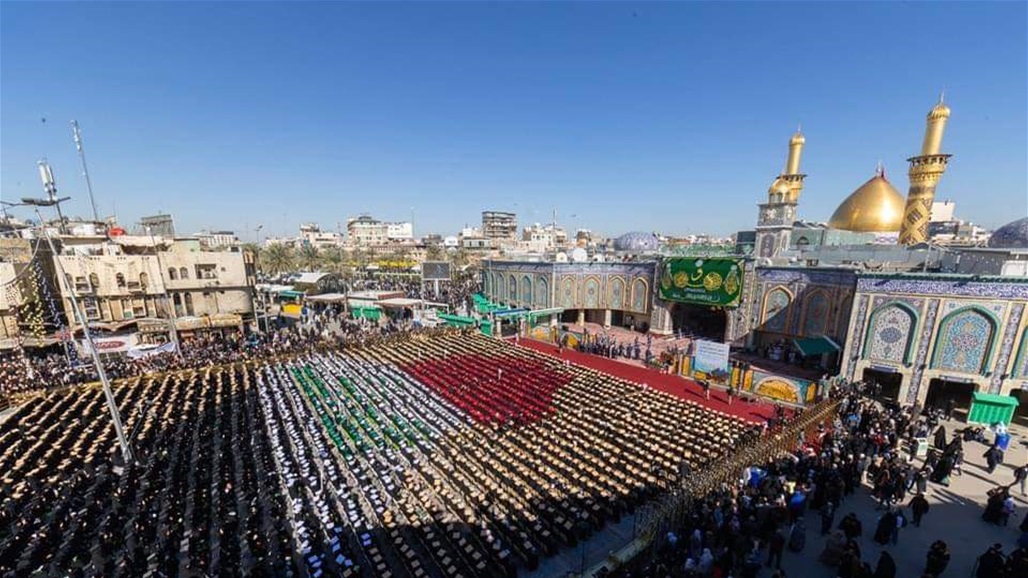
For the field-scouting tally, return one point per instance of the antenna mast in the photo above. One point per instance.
(77, 134)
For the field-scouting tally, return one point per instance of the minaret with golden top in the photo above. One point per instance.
(925, 171)
(777, 215)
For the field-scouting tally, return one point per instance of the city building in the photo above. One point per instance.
(143, 278)
(500, 226)
(364, 231)
(158, 225)
(217, 239)
(311, 235)
(540, 238)
(400, 231)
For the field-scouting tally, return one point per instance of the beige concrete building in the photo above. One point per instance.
(10, 299)
(126, 279)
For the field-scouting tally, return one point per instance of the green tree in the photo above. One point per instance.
(309, 258)
(334, 260)
(434, 253)
(277, 259)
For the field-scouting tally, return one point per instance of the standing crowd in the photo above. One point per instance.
(745, 528)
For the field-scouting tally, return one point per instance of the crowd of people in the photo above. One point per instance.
(22, 373)
(440, 453)
(743, 528)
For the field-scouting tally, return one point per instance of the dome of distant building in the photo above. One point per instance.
(875, 207)
(1011, 236)
(637, 241)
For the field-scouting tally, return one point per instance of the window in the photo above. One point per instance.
(179, 312)
(144, 281)
(81, 286)
(119, 279)
(183, 273)
(206, 271)
(90, 308)
(172, 274)
(94, 282)
(189, 304)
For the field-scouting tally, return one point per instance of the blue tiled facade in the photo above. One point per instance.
(950, 328)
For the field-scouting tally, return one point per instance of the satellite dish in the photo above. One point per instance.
(561, 257)
(579, 255)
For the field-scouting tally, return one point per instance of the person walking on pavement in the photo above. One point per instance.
(937, 559)
(993, 457)
(1020, 475)
(919, 507)
(775, 549)
(991, 563)
(827, 518)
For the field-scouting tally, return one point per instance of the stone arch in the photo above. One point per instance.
(965, 340)
(501, 287)
(891, 330)
(591, 293)
(616, 292)
(512, 286)
(817, 309)
(567, 292)
(526, 289)
(542, 292)
(640, 292)
(777, 307)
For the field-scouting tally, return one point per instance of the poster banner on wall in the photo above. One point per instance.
(782, 388)
(712, 281)
(710, 357)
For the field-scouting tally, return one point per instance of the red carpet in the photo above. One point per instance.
(686, 389)
(493, 389)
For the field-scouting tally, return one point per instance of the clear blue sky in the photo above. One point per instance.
(670, 117)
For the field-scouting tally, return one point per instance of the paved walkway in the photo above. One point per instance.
(954, 517)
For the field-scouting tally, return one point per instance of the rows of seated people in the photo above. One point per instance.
(202, 465)
(212, 490)
(339, 465)
(497, 389)
(504, 494)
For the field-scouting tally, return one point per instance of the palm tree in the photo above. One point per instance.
(276, 259)
(434, 253)
(334, 259)
(309, 257)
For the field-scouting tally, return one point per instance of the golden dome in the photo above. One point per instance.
(798, 138)
(939, 111)
(876, 207)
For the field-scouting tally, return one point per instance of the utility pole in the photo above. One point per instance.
(112, 406)
(172, 330)
(77, 135)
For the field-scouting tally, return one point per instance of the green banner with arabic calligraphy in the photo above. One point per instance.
(714, 282)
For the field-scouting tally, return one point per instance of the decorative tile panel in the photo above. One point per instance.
(964, 340)
(891, 334)
(1006, 348)
(922, 350)
(856, 335)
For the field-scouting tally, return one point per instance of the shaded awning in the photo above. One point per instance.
(1004, 400)
(809, 346)
(289, 294)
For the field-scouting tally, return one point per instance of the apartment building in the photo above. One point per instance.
(126, 278)
(499, 225)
